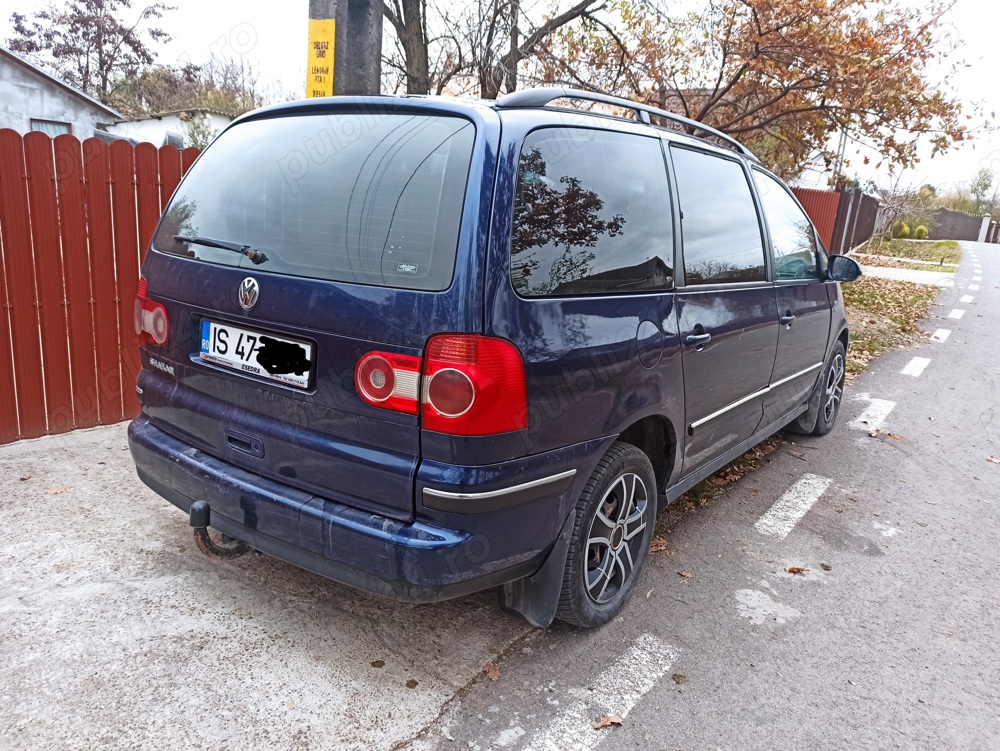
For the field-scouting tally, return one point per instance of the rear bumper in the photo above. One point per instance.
(414, 562)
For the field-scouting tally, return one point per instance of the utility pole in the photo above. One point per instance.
(345, 48)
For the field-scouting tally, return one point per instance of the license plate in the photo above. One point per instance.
(256, 353)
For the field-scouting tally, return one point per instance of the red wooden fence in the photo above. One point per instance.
(74, 219)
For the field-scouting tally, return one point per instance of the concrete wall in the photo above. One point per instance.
(25, 95)
(155, 129)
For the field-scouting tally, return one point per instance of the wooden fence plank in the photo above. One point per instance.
(107, 345)
(123, 208)
(187, 158)
(20, 268)
(147, 193)
(170, 173)
(40, 166)
(76, 262)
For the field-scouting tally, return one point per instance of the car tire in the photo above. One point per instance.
(831, 390)
(610, 542)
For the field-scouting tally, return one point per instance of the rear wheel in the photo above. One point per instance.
(610, 543)
(833, 390)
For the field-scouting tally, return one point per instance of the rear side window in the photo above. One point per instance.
(591, 215)
(792, 237)
(719, 224)
(369, 198)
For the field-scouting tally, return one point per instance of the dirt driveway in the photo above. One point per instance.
(116, 632)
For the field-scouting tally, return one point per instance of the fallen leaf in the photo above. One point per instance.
(826, 566)
(25, 477)
(679, 678)
(492, 671)
(685, 574)
(882, 431)
(993, 459)
(754, 493)
(58, 490)
(796, 570)
(611, 719)
(657, 545)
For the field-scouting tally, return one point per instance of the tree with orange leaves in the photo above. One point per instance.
(782, 76)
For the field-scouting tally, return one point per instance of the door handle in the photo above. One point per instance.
(787, 320)
(698, 340)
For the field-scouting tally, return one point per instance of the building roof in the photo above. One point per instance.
(9, 54)
(175, 113)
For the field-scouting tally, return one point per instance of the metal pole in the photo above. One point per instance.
(345, 48)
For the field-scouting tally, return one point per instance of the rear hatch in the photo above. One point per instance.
(302, 240)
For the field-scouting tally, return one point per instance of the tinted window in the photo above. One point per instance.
(369, 198)
(792, 238)
(591, 215)
(719, 224)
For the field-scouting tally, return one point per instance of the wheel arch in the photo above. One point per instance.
(655, 436)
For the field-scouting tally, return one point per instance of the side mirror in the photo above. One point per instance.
(842, 269)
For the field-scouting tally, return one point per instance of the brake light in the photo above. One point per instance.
(473, 385)
(151, 323)
(469, 384)
(384, 379)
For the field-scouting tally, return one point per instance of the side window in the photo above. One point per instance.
(792, 236)
(591, 215)
(719, 223)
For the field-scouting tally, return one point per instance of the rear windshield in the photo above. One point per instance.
(374, 199)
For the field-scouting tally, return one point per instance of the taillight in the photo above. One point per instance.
(473, 385)
(388, 380)
(151, 322)
(469, 384)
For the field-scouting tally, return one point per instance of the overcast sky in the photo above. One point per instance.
(272, 36)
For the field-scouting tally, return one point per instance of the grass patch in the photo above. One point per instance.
(897, 263)
(942, 251)
(883, 313)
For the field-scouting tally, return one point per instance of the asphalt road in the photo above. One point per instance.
(116, 633)
(894, 646)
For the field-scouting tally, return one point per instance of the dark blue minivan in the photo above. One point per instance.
(426, 347)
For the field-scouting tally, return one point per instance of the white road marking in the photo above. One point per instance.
(916, 366)
(617, 690)
(977, 279)
(973, 288)
(956, 313)
(966, 298)
(941, 335)
(873, 416)
(781, 518)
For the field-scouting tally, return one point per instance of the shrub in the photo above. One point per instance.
(920, 233)
(900, 229)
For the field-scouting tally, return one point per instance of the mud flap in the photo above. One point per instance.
(536, 598)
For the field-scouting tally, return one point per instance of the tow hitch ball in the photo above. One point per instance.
(216, 544)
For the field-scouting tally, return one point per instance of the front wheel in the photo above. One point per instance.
(610, 542)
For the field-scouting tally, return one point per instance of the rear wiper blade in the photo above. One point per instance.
(256, 256)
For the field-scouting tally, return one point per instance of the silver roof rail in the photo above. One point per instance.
(540, 97)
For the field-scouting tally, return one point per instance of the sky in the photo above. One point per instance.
(272, 37)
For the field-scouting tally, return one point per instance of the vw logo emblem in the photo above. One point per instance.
(248, 292)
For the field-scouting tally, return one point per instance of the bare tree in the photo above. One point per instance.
(90, 43)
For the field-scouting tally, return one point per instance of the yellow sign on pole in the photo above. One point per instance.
(319, 66)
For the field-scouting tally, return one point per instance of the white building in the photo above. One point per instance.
(31, 99)
(169, 127)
